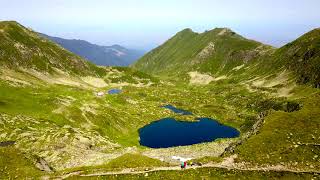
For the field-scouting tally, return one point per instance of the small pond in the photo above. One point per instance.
(176, 110)
(168, 132)
(114, 91)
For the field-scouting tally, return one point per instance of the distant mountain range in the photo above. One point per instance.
(114, 55)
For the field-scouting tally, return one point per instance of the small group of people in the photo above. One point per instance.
(183, 164)
(183, 161)
(190, 163)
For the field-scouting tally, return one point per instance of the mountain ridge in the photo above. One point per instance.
(196, 48)
(220, 50)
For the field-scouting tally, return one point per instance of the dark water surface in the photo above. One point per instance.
(176, 110)
(168, 132)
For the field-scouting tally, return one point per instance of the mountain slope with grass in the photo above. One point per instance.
(26, 57)
(23, 48)
(50, 111)
(217, 52)
(302, 56)
(114, 55)
(221, 54)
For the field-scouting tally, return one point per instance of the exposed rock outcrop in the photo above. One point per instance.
(254, 130)
(43, 165)
(207, 51)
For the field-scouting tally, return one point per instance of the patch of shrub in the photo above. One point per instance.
(2, 103)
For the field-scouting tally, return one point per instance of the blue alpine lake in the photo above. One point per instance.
(169, 132)
(114, 91)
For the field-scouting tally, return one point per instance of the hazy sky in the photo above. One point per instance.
(148, 23)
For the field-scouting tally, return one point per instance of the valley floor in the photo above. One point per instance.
(71, 131)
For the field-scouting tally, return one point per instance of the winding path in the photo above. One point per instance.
(277, 168)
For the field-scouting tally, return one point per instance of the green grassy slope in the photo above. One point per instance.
(216, 51)
(302, 56)
(22, 48)
(25, 56)
(61, 122)
(220, 52)
(291, 139)
(15, 165)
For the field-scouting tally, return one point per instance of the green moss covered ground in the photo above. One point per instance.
(63, 118)
(14, 164)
